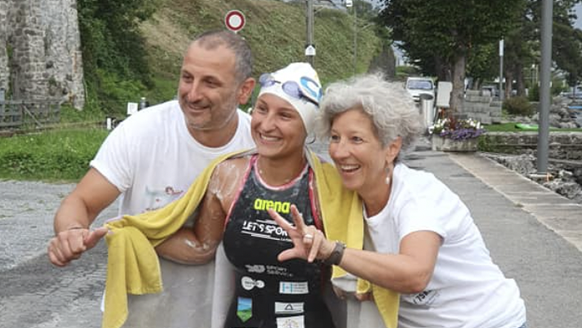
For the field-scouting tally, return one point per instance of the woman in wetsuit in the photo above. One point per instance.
(268, 293)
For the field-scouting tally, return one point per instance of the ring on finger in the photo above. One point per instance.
(308, 236)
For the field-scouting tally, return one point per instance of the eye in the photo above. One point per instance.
(334, 138)
(212, 83)
(260, 109)
(286, 116)
(357, 139)
(187, 77)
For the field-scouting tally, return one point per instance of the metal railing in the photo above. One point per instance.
(19, 115)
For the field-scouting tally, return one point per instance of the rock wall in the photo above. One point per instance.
(40, 51)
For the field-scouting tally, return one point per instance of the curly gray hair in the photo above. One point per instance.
(388, 105)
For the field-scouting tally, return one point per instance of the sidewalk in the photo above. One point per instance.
(534, 234)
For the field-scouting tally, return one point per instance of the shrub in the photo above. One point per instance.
(518, 106)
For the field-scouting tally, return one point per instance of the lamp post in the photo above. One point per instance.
(309, 46)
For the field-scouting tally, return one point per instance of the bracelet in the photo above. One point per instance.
(336, 255)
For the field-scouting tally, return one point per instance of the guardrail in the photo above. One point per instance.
(28, 114)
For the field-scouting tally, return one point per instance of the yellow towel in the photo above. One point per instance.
(133, 266)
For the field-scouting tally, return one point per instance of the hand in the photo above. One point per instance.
(69, 244)
(342, 294)
(309, 242)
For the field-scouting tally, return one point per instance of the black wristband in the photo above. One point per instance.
(336, 255)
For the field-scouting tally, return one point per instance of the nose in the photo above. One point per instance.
(268, 122)
(338, 150)
(194, 93)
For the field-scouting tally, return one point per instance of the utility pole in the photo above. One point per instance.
(355, 39)
(309, 54)
(545, 71)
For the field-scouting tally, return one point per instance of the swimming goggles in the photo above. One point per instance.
(306, 89)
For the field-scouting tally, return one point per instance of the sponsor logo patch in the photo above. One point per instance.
(286, 287)
(288, 308)
(249, 283)
(291, 322)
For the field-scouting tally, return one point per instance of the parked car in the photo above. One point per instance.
(417, 86)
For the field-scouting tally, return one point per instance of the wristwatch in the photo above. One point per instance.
(336, 255)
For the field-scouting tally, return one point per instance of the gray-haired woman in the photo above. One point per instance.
(419, 238)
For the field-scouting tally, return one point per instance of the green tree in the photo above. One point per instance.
(439, 35)
(113, 48)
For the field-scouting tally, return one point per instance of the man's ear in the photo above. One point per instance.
(246, 90)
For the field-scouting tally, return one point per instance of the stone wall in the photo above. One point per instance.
(480, 106)
(40, 50)
(562, 145)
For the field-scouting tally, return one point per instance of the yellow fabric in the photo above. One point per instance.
(133, 266)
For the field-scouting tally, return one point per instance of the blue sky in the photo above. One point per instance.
(578, 23)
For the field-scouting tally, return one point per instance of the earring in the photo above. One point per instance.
(388, 179)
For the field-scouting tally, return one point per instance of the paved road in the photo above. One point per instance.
(533, 234)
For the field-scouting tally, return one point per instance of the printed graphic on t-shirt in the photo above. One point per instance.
(425, 298)
(156, 199)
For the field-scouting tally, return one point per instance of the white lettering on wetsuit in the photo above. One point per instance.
(267, 229)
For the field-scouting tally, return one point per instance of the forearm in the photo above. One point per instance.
(183, 247)
(72, 214)
(396, 272)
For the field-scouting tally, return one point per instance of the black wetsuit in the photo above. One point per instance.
(269, 293)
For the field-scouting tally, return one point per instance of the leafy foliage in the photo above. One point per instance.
(518, 106)
(113, 48)
(439, 35)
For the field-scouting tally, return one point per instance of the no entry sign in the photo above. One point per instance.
(234, 20)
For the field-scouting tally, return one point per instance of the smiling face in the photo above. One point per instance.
(358, 153)
(209, 92)
(277, 128)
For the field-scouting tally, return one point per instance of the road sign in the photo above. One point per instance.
(234, 20)
(310, 50)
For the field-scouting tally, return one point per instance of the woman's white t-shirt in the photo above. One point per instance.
(467, 289)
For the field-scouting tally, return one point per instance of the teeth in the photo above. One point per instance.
(349, 167)
(264, 137)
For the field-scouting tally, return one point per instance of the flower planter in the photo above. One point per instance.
(447, 144)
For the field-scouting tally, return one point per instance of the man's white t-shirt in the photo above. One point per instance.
(467, 289)
(152, 159)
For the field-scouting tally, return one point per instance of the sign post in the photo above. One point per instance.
(234, 20)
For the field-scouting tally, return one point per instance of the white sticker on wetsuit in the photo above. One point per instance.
(291, 322)
(288, 308)
(249, 283)
(286, 287)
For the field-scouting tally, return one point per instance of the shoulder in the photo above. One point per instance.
(232, 169)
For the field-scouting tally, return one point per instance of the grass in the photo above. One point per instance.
(510, 127)
(275, 30)
(50, 156)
